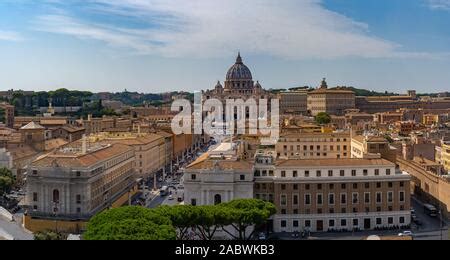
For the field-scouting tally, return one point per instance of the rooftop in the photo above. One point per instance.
(334, 162)
(32, 126)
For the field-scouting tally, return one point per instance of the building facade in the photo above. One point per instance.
(335, 194)
(314, 145)
(331, 101)
(74, 185)
(294, 102)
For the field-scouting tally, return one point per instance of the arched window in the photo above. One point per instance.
(56, 196)
(217, 199)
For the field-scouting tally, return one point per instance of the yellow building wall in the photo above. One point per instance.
(38, 225)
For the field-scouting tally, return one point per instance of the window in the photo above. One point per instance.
(78, 210)
(390, 220)
(331, 199)
(295, 174)
(402, 184)
(56, 196)
(319, 186)
(193, 177)
(78, 199)
(257, 173)
(379, 197)
(319, 173)
(307, 187)
(283, 212)
(367, 185)
(283, 223)
(367, 197)
(283, 200)
(355, 186)
(307, 199)
(283, 174)
(390, 197)
(378, 209)
(242, 178)
(343, 186)
(295, 223)
(331, 210)
(353, 173)
(344, 210)
(388, 171)
(402, 196)
(402, 220)
(365, 172)
(343, 198)
(390, 185)
(319, 199)
(377, 172)
(378, 185)
(330, 173)
(355, 222)
(342, 173)
(331, 186)
(331, 223)
(343, 222)
(283, 186)
(355, 198)
(379, 221)
(295, 187)
(308, 223)
(78, 174)
(35, 207)
(295, 199)
(194, 202)
(217, 199)
(306, 174)
(35, 172)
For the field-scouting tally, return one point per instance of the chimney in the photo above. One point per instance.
(84, 145)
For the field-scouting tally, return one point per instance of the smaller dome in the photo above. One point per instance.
(218, 85)
(257, 85)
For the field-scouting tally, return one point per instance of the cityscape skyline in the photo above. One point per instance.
(86, 45)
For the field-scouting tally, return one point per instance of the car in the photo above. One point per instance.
(406, 234)
(180, 199)
(262, 236)
(171, 197)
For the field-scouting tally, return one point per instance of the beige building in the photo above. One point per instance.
(331, 101)
(294, 102)
(314, 145)
(445, 155)
(334, 194)
(7, 114)
(372, 147)
(67, 187)
(150, 149)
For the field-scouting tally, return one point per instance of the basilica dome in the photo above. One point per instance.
(239, 71)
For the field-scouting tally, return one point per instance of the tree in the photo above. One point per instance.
(49, 235)
(323, 118)
(183, 218)
(130, 223)
(245, 213)
(7, 180)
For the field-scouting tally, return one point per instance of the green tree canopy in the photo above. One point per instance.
(323, 118)
(7, 180)
(245, 213)
(49, 235)
(130, 223)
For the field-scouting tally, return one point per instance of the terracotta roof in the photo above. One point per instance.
(54, 143)
(314, 135)
(72, 129)
(164, 134)
(78, 160)
(32, 126)
(358, 138)
(331, 91)
(335, 162)
(205, 163)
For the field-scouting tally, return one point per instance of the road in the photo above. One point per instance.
(430, 230)
(13, 230)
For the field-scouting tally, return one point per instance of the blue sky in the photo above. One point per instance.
(161, 45)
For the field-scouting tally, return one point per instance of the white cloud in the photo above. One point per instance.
(292, 29)
(439, 4)
(10, 36)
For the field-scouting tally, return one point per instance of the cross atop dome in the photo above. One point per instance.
(239, 59)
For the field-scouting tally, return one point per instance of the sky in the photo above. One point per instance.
(155, 46)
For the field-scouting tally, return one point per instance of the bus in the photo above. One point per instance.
(164, 191)
(430, 210)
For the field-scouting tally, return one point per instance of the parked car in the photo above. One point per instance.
(262, 236)
(171, 197)
(406, 234)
